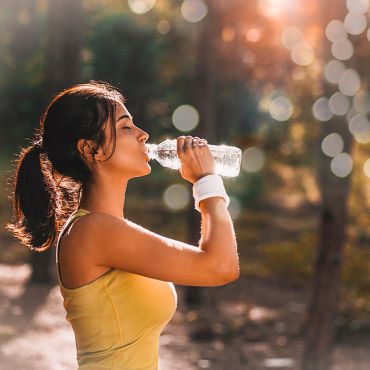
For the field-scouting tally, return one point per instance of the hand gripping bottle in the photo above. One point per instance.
(227, 158)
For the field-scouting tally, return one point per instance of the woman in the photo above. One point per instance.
(116, 277)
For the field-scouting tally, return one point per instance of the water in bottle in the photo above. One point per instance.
(227, 158)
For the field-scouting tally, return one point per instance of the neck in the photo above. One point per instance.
(106, 197)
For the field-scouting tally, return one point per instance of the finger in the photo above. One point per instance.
(196, 142)
(188, 143)
(180, 143)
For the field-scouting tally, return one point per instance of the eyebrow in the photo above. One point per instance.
(125, 116)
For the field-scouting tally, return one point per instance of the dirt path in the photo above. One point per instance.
(249, 326)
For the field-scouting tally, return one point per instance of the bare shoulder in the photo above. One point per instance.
(107, 238)
(100, 231)
(98, 226)
(97, 230)
(75, 249)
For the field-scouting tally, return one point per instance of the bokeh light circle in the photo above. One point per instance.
(342, 50)
(253, 34)
(291, 36)
(281, 108)
(176, 197)
(361, 102)
(335, 31)
(275, 8)
(234, 207)
(253, 159)
(355, 24)
(321, 110)
(303, 54)
(333, 71)
(332, 144)
(351, 113)
(341, 165)
(141, 6)
(357, 6)
(163, 27)
(194, 10)
(185, 118)
(366, 168)
(350, 82)
(359, 126)
(339, 104)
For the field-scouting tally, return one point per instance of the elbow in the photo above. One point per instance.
(231, 276)
(235, 275)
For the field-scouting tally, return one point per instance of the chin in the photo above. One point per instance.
(149, 170)
(145, 172)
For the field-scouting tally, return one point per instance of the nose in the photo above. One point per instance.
(144, 136)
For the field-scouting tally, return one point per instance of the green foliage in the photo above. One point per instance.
(136, 58)
(237, 109)
(295, 259)
(125, 53)
(128, 56)
(356, 269)
(247, 187)
(291, 259)
(22, 73)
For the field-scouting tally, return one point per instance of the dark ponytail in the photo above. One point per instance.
(51, 173)
(33, 205)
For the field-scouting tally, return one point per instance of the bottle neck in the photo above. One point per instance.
(152, 151)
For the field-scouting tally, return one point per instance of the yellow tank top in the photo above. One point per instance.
(117, 318)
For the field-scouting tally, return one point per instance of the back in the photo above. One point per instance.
(117, 318)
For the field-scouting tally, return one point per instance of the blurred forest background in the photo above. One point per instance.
(287, 81)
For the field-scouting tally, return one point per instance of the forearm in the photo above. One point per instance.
(218, 238)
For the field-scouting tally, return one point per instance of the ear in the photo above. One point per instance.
(87, 148)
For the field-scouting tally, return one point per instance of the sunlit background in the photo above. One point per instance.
(286, 81)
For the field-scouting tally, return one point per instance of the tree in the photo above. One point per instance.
(320, 329)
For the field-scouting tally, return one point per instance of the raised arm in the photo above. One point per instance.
(122, 244)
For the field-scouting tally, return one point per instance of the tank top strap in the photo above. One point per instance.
(76, 214)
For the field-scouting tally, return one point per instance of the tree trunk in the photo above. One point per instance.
(332, 238)
(320, 330)
(63, 69)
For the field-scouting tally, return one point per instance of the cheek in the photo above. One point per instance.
(126, 154)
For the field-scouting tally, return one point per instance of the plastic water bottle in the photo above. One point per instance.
(227, 158)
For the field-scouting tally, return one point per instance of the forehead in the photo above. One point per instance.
(121, 109)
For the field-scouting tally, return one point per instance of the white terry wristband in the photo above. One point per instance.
(207, 187)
